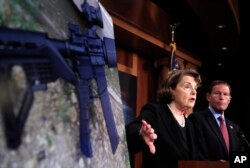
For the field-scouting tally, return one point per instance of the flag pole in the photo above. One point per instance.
(173, 27)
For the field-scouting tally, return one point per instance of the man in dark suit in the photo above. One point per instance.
(214, 141)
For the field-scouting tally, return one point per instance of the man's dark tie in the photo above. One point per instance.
(224, 131)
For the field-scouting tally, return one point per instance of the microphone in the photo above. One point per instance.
(242, 135)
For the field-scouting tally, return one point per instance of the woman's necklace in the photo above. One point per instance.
(179, 118)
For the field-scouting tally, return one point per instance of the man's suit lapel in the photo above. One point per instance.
(214, 126)
(232, 133)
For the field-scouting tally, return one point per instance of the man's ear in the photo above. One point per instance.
(208, 97)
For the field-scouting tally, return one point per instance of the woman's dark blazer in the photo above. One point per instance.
(211, 143)
(170, 143)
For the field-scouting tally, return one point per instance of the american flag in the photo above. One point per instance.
(174, 62)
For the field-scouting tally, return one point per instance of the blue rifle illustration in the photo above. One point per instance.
(77, 60)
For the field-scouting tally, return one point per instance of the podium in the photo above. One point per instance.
(202, 164)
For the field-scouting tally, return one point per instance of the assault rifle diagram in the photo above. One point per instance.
(78, 60)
